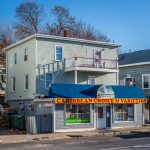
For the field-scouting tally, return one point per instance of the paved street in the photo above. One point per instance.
(88, 143)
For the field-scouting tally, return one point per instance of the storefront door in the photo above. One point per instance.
(101, 120)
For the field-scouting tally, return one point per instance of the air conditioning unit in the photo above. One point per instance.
(31, 106)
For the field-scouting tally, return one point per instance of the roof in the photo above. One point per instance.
(142, 56)
(90, 91)
(61, 38)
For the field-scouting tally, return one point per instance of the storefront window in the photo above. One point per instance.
(124, 112)
(77, 113)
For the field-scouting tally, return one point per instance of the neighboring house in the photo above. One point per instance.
(42, 67)
(134, 70)
(2, 84)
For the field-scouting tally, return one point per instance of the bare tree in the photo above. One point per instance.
(85, 31)
(29, 15)
(7, 37)
(62, 21)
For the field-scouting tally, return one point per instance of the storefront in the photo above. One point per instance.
(85, 107)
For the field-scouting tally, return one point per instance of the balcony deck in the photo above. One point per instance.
(90, 65)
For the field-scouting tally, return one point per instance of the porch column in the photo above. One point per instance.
(75, 77)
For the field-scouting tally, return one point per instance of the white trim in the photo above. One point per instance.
(75, 77)
(135, 64)
(143, 80)
(86, 69)
(35, 52)
(60, 38)
(75, 130)
(57, 45)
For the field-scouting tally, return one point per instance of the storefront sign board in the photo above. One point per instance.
(99, 101)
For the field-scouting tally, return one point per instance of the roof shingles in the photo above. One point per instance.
(135, 57)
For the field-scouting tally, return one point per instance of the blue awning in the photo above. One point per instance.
(73, 91)
(128, 92)
(90, 91)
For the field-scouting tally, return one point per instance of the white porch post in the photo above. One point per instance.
(75, 77)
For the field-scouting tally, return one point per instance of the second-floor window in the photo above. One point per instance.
(26, 81)
(58, 53)
(145, 81)
(25, 54)
(91, 79)
(13, 84)
(15, 58)
(48, 80)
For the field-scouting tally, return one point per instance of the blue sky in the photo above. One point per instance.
(127, 22)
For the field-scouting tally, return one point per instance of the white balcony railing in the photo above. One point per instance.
(73, 62)
(91, 63)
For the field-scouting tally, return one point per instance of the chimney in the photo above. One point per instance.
(68, 33)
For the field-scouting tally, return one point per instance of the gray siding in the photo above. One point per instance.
(138, 118)
(135, 72)
(60, 119)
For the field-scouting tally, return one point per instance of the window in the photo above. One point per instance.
(15, 58)
(26, 54)
(77, 113)
(58, 53)
(48, 80)
(91, 79)
(145, 81)
(26, 81)
(128, 81)
(13, 84)
(124, 112)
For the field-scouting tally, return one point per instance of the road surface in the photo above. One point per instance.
(84, 143)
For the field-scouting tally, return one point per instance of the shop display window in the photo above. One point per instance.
(124, 112)
(77, 113)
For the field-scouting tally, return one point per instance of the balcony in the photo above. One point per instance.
(90, 65)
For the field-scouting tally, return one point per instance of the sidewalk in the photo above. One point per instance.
(7, 136)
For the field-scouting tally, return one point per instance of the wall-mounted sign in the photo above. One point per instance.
(48, 105)
(105, 92)
(99, 100)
